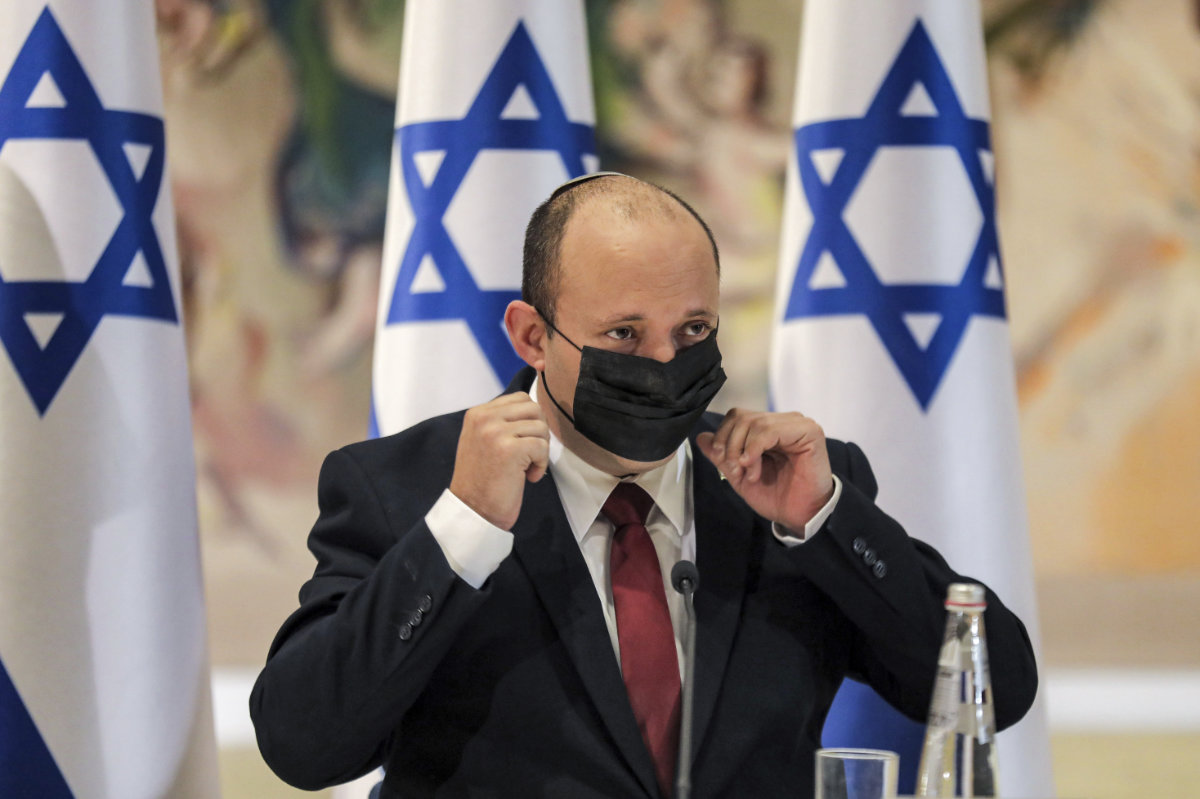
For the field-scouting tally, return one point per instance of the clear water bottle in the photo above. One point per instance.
(959, 756)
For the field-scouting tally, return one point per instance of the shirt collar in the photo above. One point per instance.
(583, 488)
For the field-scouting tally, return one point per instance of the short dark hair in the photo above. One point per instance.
(540, 264)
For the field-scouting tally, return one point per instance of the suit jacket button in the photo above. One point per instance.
(869, 557)
(859, 546)
(880, 569)
(417, 618)
(426, 604)
(406, 631)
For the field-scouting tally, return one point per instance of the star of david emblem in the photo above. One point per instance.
(460, 141)
(900, 312)
(46, 97)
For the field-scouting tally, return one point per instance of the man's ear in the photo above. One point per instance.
(527, 330)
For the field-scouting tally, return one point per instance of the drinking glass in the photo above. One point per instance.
(856, 774)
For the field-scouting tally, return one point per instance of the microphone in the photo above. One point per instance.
(685, 579)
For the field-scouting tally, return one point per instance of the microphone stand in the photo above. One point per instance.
(685, 579)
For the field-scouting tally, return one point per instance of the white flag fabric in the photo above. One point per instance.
(104, 682)
(495, 109)
(890, 300)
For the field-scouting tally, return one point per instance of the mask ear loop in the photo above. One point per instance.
(542, 373)
(561, 410)
(550, 325)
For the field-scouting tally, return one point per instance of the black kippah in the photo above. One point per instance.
(573, 182)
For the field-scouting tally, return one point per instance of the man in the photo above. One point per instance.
(488, 615)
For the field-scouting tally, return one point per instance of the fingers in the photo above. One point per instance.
(513, 429)
(537, 469)
(503, 444)
(525, 420)
(716, 447)
(777, 463)
(763, 435)
(507, 415)
(510, 407)
(528, 428)
(728, 444)
(744, 438)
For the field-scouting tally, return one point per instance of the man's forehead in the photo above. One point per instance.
(609, 255)
(616, 214)
(627, 232)
(604, 231)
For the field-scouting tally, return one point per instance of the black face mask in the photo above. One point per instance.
(639, 408)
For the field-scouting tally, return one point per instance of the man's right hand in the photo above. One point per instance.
(503, 444)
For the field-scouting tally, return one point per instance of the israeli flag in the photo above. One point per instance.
(104, 682)
(892, 330)
(495, 110)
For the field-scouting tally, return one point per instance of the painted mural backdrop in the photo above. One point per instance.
(280, 127)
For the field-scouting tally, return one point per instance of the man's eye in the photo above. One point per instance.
(620, 333)
(697, 329)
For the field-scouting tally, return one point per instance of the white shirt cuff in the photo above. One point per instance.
(788, 538)
(473, 546)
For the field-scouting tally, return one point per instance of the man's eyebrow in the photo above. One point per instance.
(616, 320)
(706, 313)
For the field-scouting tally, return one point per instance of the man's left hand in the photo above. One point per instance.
(777, 462)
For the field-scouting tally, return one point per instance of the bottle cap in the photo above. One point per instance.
(966, 595)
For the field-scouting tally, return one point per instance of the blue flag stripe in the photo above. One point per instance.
(860, 717)
(26, 766)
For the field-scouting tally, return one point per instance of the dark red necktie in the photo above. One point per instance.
(647, 641)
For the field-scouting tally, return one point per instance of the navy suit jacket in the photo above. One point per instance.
(513, 690)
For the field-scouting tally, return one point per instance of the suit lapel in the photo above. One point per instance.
(550, 556)
(724, 526)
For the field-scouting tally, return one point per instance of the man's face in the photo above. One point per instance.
(647, 287)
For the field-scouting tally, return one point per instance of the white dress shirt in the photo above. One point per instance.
(475, 548)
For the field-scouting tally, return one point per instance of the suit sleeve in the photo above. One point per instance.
(378, 615)
(892, 589)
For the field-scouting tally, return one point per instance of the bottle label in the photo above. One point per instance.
(947, 696)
